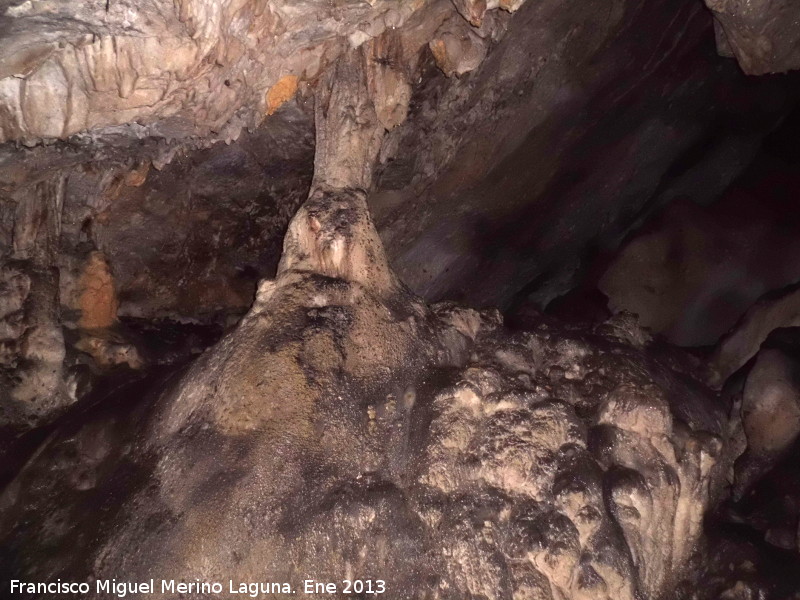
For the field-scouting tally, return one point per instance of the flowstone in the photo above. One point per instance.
(345, 430)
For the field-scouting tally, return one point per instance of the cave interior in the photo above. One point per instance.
(487, 299)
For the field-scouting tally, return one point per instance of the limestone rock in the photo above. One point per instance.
(33, 382)
(33, 377)
(761, 34)
(694, 270)
(109, 349)
(348, 130)
(770, 414)
(471, 10)
(494, 154)
(457, 49)
(98, 299)
(333, 235)
(345, 430)
(775, 310)
(209, 217)
(203, 65)
(195, 60)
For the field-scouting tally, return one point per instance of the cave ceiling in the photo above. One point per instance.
(500, 293)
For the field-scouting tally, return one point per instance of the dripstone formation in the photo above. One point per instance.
(185, 403)
(344, 429)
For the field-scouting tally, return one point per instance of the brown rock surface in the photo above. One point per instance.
(207, 65)
(770, 414)
(157, 153)
(774, 311)
(346, 430)
(98, 299)
(762, 34)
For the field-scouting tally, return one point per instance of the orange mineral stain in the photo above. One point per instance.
(98, 298)
(282, 91)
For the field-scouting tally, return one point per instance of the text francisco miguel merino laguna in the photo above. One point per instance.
(121, 589)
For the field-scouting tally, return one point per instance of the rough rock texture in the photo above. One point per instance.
(548, 130)
(773, 311)
(693, 269)
(693, 272)
(121, 240)
(188, 239)
(33, 382)
(156, 85)
(762, 34)
(579, 122)
(483, 155)
(346, 430)
(343, 428)
(770, 414)
(190, 67)
(752, 550)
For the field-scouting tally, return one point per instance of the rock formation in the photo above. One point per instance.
(344, 429)
(774, 311)
(770, 414)
(694, 271)
(272, 279)
(762, 35)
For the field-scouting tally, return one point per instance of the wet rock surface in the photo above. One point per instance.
(181, 399)
(599, 105)
(526, 123)
(540, 89)
(345, 429)
(770, 413)
(190, 68)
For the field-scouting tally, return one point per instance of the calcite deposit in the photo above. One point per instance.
(761, 34)
(201, 65)
(345, 430)
(775, 310)
(273, 279)
(770, 414)
(176, 140)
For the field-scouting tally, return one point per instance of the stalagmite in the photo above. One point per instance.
(346, 431)
(399, 299)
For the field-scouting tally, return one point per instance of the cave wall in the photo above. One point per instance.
(568, 136)
(519, 139)
(555, 131)
(334, 420)
(346, 427)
